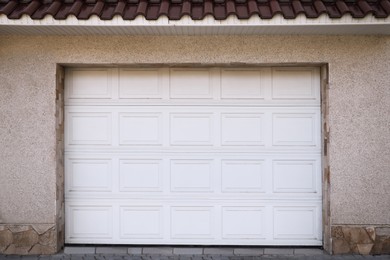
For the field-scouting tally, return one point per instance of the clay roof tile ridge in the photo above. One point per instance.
(230, 7)
(365, 7)
(119, 8)
(385, 4)
(76, 8)
(297, 7)
(141, 8)
(31, 8)
(53, 9)
(207, 8)
(97, 9)
(342, 6)
(9, 7)
(186, 8)
(319, 7)
(253, 8)
(164, 8)
(275, 7)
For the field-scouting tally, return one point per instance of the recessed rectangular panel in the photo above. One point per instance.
(192, 222)
(191, 175)
(141, 222)
(241, 84)
(295, 223)
(88, 175)
(242, 222)
(191, 129)
(140, 128)
(242, 176)
(294, 176)
(242, 129)
(190, 84)
(294, 129)
(89, 222)
(140, 175)
(89, 128)
(90, 83)
(140, 83)
(293, 84)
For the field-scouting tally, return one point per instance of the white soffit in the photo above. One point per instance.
(186, 26)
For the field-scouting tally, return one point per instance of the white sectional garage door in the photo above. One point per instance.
(202, 156)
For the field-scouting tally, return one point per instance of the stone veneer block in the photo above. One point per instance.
(360, 240)
(28, 239)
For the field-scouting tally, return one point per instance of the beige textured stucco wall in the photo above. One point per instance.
(359, 103)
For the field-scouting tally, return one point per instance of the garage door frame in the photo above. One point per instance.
(324, 87)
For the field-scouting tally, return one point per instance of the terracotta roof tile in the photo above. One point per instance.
(196, 9)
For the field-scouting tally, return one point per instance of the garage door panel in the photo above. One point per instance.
(191, 83)
(140, 129)
(243, 222)
(141, 175)
(192, 222)
(242, 84)
(171, 173)
(87, 221)
(264, 86)
(89, 128)
(141, 222)
(295, 83)
(85, 175)
(191, 175)
(193, 156)
(141, 83)
(296, 223)
(293, 176)
(258, 222)
(242, 129)
(89, 83)
(243, 175)
(191, 129)
(295, 129)
(259, 129)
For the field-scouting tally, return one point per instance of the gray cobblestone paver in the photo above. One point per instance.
(249, 251)
(278, 251)
(113, 257)
(157, 251)
(218, 251)
(111, 250)
(187, 251)
(76, 257)
(308, 251)
(72, 250)
(134, 250)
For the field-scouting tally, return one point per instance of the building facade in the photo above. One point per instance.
(125, 133)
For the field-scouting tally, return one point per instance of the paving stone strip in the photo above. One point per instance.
(189, 253)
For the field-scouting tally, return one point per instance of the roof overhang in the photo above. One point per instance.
(346, 25)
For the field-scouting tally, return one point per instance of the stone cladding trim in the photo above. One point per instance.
(60, 197)
(31, 239)
(364, 240)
